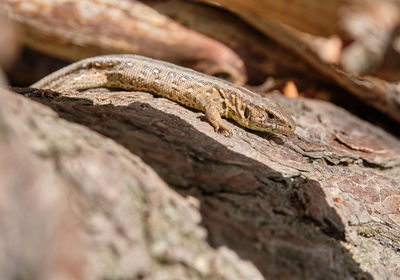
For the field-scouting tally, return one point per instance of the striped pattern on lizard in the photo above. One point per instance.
(214, 96)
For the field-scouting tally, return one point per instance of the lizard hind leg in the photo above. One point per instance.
(214, 117)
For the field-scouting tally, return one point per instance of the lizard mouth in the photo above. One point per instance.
(273, 128)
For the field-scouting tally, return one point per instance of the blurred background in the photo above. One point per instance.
(346, 52)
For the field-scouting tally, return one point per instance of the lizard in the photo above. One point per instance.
(212, 95)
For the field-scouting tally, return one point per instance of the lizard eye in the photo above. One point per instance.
(246, 113)
(270, 116)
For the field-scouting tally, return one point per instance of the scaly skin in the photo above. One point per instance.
(211, 95)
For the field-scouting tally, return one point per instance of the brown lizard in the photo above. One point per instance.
(214, 96)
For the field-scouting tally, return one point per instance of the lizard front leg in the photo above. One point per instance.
(214, 117)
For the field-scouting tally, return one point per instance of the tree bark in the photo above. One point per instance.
(162, 196)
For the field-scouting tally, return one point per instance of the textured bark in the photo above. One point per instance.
(321, 18)
(263, 57)
(312, 16)
(322, 204)
(75, 29)
(134, 225)
(41, 237)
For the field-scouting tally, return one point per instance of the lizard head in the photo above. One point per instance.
(267, 116)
